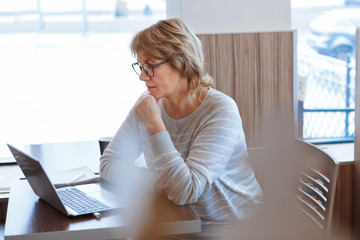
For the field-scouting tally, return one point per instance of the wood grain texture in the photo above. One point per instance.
(256, 70)
(247, 86)
(31, 218)
(342, 215)
(276, 74)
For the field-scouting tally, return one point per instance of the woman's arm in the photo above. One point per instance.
(185, 180)
(122, 151)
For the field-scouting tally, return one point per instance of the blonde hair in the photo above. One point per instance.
(173, 40)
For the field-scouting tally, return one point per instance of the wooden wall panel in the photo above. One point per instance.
(209, 42)
(246, 84)
(342, 215)
(219, 56)
(256, 69)
(224, 57)
(276, 55)
(268, 81)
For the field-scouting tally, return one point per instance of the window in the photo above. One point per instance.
(326, 68)
(66, 67)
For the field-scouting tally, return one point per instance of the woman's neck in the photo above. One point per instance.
(183, 104)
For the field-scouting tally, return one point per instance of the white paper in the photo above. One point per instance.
(73, 176)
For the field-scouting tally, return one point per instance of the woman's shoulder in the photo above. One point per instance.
(221, 106)
(220, 99)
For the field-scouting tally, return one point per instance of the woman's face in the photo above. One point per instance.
(166, 82)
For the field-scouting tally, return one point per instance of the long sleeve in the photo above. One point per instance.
(122, 151)
(200, 160)
(186, 178)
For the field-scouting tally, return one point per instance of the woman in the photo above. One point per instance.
(190, 134)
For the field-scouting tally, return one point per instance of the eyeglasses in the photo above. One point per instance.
(147, 67)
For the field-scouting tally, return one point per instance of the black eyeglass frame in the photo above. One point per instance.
(150, 66)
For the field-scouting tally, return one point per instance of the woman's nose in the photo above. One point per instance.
(143, 76)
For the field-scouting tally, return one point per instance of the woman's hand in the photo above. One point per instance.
(160, 189)
(148, 109)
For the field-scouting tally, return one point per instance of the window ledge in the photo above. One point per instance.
(342, 152)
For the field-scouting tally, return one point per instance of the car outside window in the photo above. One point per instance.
(326, 68)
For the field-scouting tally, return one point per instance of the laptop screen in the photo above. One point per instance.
(37, 178)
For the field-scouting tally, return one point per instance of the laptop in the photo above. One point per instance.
(74, 201)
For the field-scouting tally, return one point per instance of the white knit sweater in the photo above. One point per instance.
(201, 159)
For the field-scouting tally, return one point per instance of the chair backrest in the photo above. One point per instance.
(316, 183)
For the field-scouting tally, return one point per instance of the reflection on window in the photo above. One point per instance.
(326, 68)
(66, 67)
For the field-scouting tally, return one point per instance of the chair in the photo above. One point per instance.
(316, 183)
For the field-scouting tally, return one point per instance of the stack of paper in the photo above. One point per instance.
(75, 176)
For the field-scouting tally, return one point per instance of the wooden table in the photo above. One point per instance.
(31, 218)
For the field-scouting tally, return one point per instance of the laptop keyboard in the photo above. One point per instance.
(80, 201)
